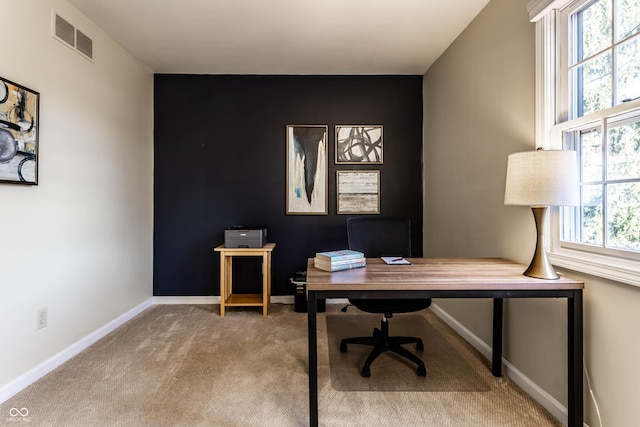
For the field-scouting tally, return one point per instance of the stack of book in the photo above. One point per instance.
(339, 260)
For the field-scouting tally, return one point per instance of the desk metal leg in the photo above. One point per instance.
(575, 353)
(313, 358)
(496, 354)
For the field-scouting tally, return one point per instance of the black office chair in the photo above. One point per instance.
(377, 237)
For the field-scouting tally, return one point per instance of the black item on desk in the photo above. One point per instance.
(300, 294)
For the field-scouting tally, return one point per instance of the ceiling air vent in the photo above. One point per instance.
(71, 36)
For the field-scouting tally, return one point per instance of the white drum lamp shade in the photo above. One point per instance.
(540, 179)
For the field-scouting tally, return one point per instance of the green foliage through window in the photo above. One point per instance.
(604, 70)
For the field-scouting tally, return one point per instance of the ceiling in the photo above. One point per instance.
(283, 36)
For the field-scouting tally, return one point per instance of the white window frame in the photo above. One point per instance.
(606, 263)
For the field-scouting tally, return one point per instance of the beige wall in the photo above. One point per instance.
(79, 243)
(479, 108)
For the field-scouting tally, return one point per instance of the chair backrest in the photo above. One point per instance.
(378, 237)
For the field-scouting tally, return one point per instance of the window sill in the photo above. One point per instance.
(619, 270)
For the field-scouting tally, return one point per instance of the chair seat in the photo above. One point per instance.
(389, 306)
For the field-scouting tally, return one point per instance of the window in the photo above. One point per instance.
(594, 46)
(609, 215)
(601, 47)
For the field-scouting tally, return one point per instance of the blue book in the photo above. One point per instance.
(332, 256)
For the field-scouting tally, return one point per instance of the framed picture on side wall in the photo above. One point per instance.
(307, 176)
(358, 192)
(19, 115)
(357, 144)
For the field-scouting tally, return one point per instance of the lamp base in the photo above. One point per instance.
(540, 266)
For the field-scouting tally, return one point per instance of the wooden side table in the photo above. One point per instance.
(227, 297)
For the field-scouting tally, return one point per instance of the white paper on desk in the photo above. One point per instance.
(395, 260)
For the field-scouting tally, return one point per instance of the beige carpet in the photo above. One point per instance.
(184, 365)
(447, 370)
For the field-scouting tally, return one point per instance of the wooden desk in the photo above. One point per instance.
(227, 297)
(450, 278)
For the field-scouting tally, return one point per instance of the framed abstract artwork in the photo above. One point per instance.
(357, 144)
(358, 192)
(19, 121)
(307, 176)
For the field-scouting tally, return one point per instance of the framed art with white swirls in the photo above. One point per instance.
(19, 121)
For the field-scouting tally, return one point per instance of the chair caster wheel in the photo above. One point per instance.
(421, 371)
(343, 347)
(419, 346)
(366, 372)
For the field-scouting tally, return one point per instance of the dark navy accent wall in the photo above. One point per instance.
(220, 160)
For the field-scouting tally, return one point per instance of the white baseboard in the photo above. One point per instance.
(286, 299)
(14, 387)
(186, 300)
(283, 299)
(532, 389)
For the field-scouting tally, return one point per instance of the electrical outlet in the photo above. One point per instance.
(42, 318)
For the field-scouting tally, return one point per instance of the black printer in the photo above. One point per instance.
(240, 236)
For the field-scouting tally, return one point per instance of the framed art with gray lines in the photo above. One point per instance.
(19, 115)
(357, 144)
(358, 192)
(307, 164)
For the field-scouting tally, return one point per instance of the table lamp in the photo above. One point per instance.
(540, 179)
